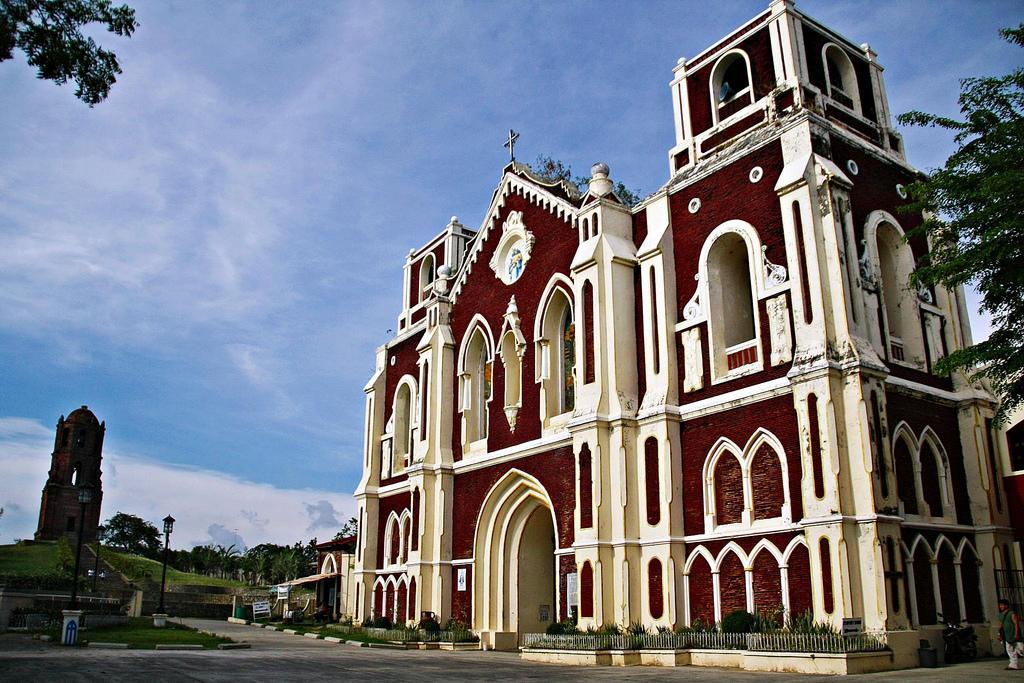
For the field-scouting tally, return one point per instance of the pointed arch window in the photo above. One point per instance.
(555, 333)
(475, 386)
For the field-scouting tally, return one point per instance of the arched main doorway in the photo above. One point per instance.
(514, 587)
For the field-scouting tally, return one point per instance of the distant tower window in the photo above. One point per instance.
(427, 273)
(730, 85)
(842, 80)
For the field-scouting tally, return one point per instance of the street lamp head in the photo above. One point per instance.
(168, 524)
(84, 496)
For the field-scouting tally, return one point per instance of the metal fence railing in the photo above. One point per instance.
(409, 635)
(1010, 585)
(711, 640)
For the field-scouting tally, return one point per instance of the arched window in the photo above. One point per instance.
(403, 424)
(426, 279)
(701, 592)
(906, 488)
(476, 386)
(841, 77)
(903, 322)
(730, 85)
(924, 591)
(732, 584)
(733, 329)
(556, 351)
(766, 582)
(76, 475)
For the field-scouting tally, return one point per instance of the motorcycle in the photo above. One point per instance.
(961, 642)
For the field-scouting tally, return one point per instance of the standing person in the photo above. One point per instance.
(1010, 633)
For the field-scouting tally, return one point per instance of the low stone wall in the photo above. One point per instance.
(788, 662)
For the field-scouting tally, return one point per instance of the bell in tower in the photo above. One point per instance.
(74, 469)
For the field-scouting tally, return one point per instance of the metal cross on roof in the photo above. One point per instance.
(511, 144)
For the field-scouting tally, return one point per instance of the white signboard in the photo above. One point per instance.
(572, 596)
(283, 591)
(461, 580)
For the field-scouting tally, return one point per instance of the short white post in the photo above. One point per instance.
(72, 623)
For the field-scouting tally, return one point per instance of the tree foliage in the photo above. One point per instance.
(350, 528)
(555, 169)
(132, 534)
(49, 32)
(974, 209)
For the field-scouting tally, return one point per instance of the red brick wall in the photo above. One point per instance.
(930, 485)
(759, 51)
(969, 574)
(655, 590)
(587, 590)
(825, 549)
(767, 582)
(798, 576)
(483, 293)
(732, 584)
(766, 481)
(555, 470)
(926, 608)
(815, 436)
(728, 490)
(462, 601)
(652, 474)
(699, 434)
(702, 595)
(905, 487)
(948, 589)
(759, 208)
(586, 488)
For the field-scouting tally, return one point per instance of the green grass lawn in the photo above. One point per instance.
(328, 631)
(137, 568)
(41, 558)
(28, 560)
(141, 634)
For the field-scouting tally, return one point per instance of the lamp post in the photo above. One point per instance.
(84, 498)
(168, 528)
(96, 569)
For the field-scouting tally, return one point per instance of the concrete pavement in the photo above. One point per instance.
(281, 656)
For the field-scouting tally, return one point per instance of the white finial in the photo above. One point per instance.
(599, 183)
(454, 219)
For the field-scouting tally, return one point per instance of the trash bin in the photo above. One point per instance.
(928, 655)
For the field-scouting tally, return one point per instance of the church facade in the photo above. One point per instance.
(721, 398)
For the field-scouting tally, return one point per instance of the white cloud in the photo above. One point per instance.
(208, 506)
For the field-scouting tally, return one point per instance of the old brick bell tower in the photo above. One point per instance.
(74, 465)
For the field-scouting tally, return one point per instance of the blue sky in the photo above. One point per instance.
(209, 257)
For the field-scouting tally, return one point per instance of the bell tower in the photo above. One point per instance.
(74, 467)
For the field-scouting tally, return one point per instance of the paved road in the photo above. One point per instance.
(280, 656)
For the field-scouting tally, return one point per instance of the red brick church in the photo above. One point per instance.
(721, 398)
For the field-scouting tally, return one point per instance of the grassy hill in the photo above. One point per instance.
(142, 568)
(28, 560)
(40, 559)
